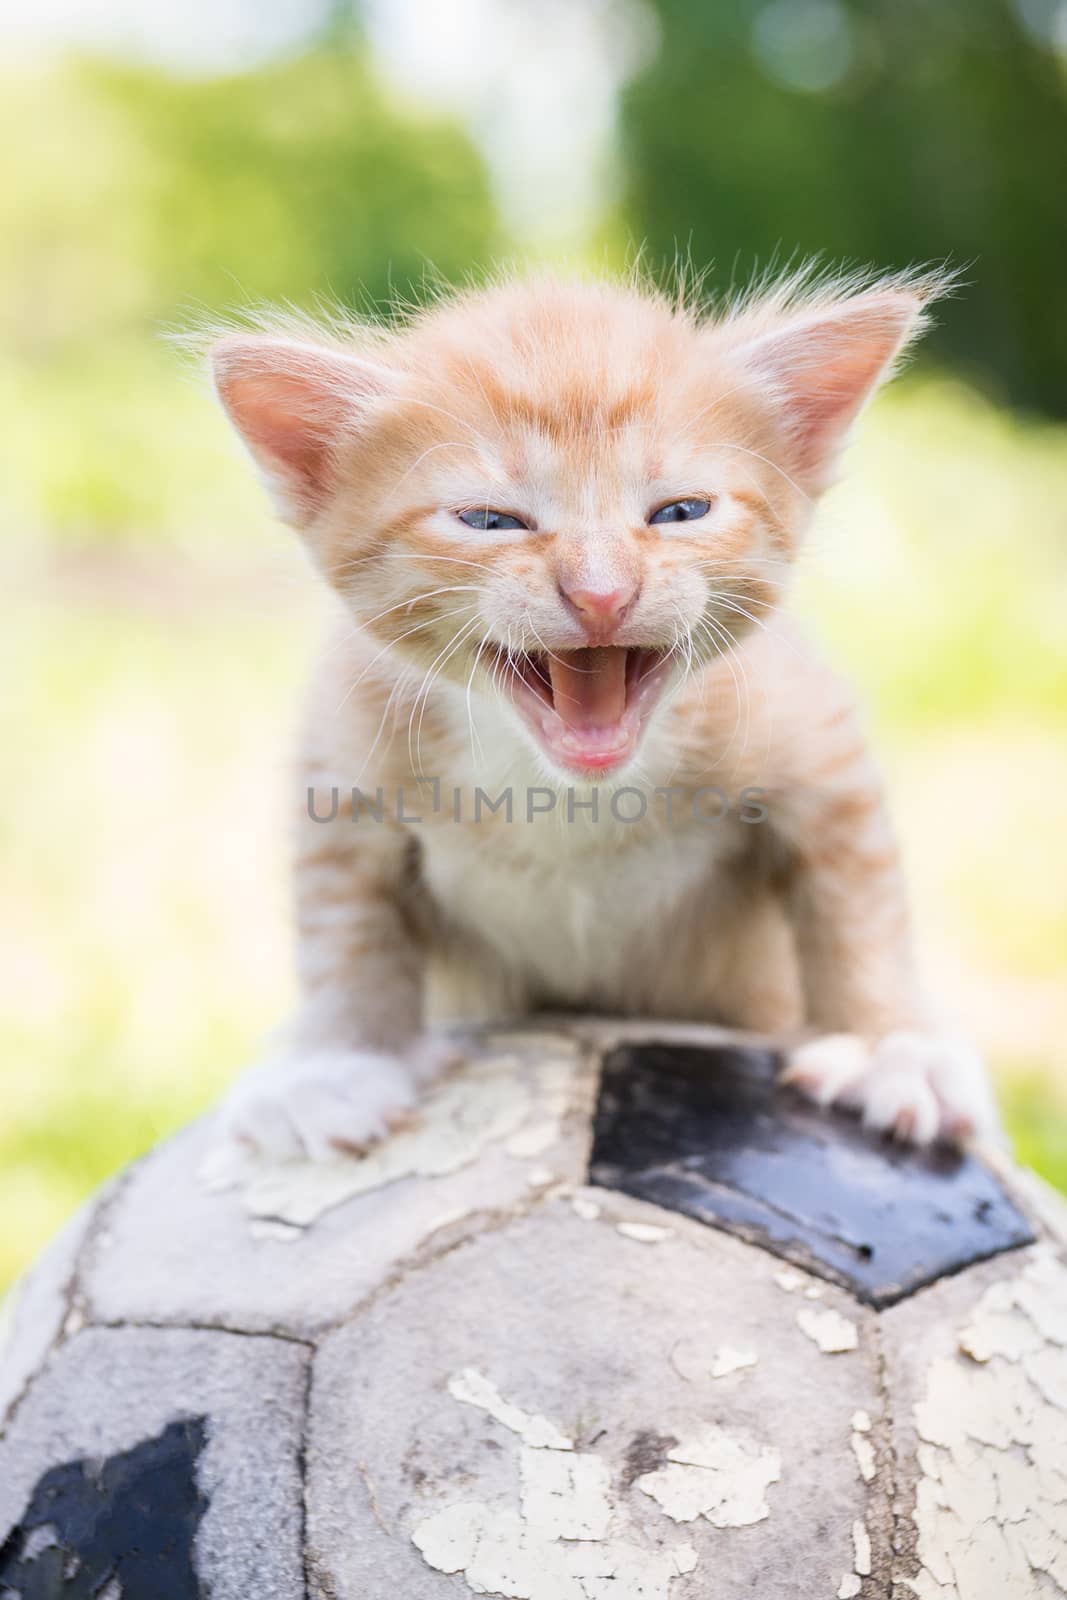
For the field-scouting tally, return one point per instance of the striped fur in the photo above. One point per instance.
(580, 408)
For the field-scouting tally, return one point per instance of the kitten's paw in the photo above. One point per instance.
(321, 1105)
(916, 1086)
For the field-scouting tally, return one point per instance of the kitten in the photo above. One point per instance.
(560, 519)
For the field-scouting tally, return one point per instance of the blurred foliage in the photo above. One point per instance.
(130, 194)
(144, 915)
(117, 442)
(295, 179)
(1038, 1125)
(883, 132)
(132, 201)
(947, 586)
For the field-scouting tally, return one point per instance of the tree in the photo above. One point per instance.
(871, 131)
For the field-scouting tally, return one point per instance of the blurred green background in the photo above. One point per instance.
(155, 624)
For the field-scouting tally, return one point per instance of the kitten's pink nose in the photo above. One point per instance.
(600, 609)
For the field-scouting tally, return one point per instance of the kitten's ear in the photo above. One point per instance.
(822, 365)
(293, 404)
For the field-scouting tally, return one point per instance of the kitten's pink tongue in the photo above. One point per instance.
(589, 686)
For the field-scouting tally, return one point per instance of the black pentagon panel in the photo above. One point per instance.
(706, 1131)
(130, 1520)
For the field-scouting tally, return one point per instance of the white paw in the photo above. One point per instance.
(326, 1103)
(916, 1086)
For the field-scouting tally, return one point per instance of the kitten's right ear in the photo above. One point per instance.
(821, 364)
(293, 404)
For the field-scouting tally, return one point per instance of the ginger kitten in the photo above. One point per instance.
(560, 518)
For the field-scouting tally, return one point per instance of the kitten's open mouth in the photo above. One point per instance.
(588, 707)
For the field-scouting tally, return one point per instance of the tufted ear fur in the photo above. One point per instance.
(822, 363)
(292, 404)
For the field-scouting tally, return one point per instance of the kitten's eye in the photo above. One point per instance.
(489, 521)
(690, 510)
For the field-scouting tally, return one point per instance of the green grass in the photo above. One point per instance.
(142, 854)
(939, 566)
(152, 657)
(118, 443)
(1037, 1118)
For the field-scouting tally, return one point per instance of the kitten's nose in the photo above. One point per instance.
(600, 609)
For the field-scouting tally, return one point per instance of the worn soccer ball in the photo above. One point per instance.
(616, 1319)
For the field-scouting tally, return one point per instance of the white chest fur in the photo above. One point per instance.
(574, 909)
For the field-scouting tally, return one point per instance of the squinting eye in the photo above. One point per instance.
(683, 510)
(490, 521)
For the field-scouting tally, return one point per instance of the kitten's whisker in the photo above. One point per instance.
(704, 411)
(744, 449)
(414, 600)
(693, 637)
(438, 664)
(718, 650)
(506, 665)
(550, 653)
(370, 557)
(475, 756)
(446, 444)
(441, 657)
(429, 405)
(392, 703)
(391, 645)
(464, 636)
(729, 603)
(427, 622)
(511, 671)
(743, 568)
(687, 642)
(729, 656)
(742, 658)
(481, 387)
(679, 649)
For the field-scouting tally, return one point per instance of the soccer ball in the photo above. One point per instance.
(616, 1319)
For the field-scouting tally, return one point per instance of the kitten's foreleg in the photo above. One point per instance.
(348, 1066)
(879, 1047)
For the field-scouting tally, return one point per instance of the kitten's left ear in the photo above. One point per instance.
(293, 404)
(823, 364)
